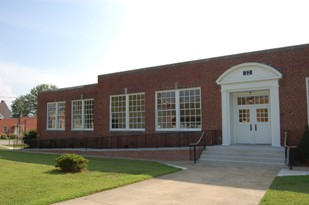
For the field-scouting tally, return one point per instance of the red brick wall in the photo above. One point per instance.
(26, 123)
(292, 62)
(67, 95)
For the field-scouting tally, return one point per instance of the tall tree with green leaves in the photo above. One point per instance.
(26, 105)
(20, 106)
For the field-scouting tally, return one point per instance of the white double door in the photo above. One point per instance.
(253, 120)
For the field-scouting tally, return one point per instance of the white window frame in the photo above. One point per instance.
(5, 129)
(56, 114)
(177, 105)
(127, 112)
(82, 128)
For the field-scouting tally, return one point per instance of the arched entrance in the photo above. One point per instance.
(250, 104)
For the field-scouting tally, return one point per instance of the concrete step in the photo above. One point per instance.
(247, 148)
(243, 158)
(243, 155)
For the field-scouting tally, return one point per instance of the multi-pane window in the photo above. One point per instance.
(251, 100)
(244, 115)
(51, 116)
(83, 114)
(5, 129)
(178, 109)
(166, 109)
(118, 112)
(127, 112)
(190, 108)
(56, 116)
(262, 115)
(61, 115)
(88, 113)
(77, 114)
(137, 111)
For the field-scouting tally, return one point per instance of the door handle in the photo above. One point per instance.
(250, 127)
(255, 127)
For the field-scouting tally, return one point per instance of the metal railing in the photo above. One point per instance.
(290, 151)
(137, 140)
(197, 148)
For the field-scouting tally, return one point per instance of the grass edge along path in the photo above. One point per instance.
(31, 178)
(292, 190)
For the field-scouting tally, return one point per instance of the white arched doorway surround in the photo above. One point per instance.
(249, 78)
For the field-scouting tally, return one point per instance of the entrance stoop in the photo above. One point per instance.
(244, 155)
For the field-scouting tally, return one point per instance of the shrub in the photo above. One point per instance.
(29, 138)
(12, 136)
(3, 136)
(71, 163)
(303, 146)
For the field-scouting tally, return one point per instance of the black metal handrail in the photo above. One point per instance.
(134, 140)
(290, 151)
(201, 144)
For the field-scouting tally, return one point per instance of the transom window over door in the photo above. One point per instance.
(252, 100)
(178, 109)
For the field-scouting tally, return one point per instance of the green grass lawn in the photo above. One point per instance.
(31, 178)
(288, 190)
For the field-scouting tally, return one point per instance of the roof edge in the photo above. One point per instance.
(294, 47)
(71, 88)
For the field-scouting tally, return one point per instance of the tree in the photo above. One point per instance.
(33, 96)
(20, 106)
(26, 105)
(29, 138)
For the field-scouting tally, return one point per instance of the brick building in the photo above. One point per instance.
(252, 98)
(16, 126)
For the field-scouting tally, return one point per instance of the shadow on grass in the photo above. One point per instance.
(59, 172)
(26, 157)
(124, 166)
(55, 172)
(299, 184)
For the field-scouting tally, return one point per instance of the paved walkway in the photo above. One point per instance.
(198, 184)
(297, 171)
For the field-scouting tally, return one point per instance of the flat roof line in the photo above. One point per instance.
(207, 59)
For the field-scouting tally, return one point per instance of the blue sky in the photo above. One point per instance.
(71, 42)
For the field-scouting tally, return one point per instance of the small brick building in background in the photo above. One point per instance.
(16, 126)
(249, 98)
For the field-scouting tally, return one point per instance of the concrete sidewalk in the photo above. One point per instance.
(198, 184)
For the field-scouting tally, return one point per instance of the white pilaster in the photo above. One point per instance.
(275, 116)
(226, 135)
